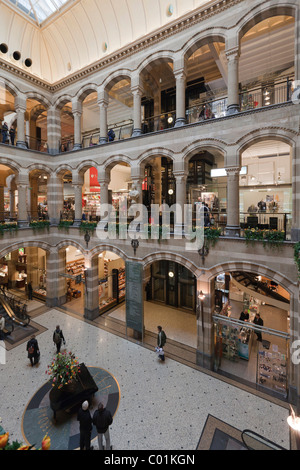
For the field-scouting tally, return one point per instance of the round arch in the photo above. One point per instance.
(115, 160)
(115, 77)
(265, 134)
(41, 167)
(35, 244)
(14, 166)
(100, 248)
(215, 147)
(38, 97)
(85, 91)
(169, 256)
(65, 243)
(84, 166)
(62, 101)
(261, 13)
(147, 156)
(254, 268)
(202, 39)
(62, 169)
(159, 57)
(13, 90)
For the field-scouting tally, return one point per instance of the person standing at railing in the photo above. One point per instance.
(12, 134)
(4, 132)
(111, 135)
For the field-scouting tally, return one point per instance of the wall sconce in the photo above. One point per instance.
(87, 238)
(135, 244)
(203, 252)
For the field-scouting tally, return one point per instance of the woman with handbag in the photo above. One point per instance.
(33, 351)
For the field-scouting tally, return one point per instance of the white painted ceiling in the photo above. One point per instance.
(77, 35)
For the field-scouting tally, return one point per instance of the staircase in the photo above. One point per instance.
(250, 281)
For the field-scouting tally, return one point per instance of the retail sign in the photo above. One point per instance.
(94, 183)
(134, 296)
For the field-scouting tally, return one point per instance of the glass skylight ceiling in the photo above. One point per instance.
(39, 10)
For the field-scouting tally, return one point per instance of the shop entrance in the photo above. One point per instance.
(251, 331)
(112, 282)
(74, 279)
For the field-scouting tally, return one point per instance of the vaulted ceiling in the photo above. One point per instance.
(61, 37)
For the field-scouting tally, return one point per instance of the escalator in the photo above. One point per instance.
(251, 282)
(14, 313)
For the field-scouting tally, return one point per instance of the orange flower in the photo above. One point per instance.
(46, 443)
(4, 440)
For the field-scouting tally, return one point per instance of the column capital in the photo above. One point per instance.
(137, 90)
(233, 53)
(233, 171)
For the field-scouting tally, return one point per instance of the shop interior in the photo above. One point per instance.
(111, 273)
(239, 352)
(22, 266)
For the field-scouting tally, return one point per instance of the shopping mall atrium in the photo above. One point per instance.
(159, 110)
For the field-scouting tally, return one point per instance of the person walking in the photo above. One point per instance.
(161, 341)
(85, 426)
(33, 351)
(58, 338)
(102, 419)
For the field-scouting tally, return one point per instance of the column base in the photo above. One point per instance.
(233, 231)
(77, 223)
(205, 361)
(233, 109)
(23, 223)
(77, 147)
(136, 132)
(21, 144)
(56, 301)
(180, 122)
(295, 234)
(103, 140)
(91, 314)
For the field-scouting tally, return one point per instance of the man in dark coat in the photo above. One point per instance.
(102, 419)
(258, 321)
(33, 350)
(85, 426)
(58, 337)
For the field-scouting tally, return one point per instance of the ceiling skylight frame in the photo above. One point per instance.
(38, 11)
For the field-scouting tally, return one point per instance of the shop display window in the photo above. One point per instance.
(272, 370)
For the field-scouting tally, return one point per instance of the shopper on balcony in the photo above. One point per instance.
(12, 134)
(258, 321)
(111, 135)
(4, 132)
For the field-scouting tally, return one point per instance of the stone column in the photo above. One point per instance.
(56, 284)
(103, 101)
(53, 130)
(180, 77)
(233, 103)
(33, 197)
(22, 185)
(205, 332)
(181, 201)
(77, 113)
(137, 111)
(78, 203)
(12, 207)
(297, 46)
(1, 202)
(295, 194)
(233, 202)
(91, 289)
(20, 110)
(55, 198)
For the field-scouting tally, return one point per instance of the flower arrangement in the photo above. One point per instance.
(39, 224)
(16, 445)
(8, 226)
(212, 234)
(65, 223)
(64, 369)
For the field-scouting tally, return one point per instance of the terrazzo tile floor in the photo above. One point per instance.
(163, 406)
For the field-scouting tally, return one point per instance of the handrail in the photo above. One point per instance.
(262, 442)
(20, 318)
(252, 326)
